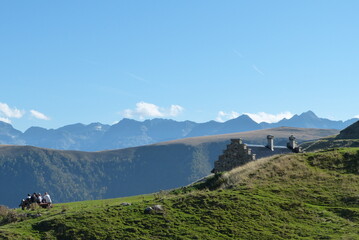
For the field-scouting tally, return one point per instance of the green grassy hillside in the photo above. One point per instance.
(348, 137)
(296, 196)
(351, 132)
(328, 143)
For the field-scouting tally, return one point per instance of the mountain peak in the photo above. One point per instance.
(127, 120)
(309, 114)
(245, 116)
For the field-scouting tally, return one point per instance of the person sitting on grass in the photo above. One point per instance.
(47, 198)
(39, 198)
(34, 198)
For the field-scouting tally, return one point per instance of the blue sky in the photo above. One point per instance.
(66, 62)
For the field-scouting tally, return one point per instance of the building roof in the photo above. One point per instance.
(262, 151)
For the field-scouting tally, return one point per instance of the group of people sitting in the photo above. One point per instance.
(42, 200)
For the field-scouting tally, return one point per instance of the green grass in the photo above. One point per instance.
(329, 143)
(296, 196)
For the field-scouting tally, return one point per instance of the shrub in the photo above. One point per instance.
(8, 216)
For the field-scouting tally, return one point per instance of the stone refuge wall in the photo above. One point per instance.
(236, 154)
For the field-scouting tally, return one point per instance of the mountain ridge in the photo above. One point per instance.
(131, 133)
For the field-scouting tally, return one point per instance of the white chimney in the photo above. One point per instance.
(270, 144)
(292, 143)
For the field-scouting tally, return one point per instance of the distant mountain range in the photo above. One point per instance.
(131, 133)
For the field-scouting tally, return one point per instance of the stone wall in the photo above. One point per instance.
(236, 154)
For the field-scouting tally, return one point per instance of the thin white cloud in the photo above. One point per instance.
(268, 117)
(257, 117)
(128, 113)
(356, 116)
(2, 119)
(39, 115)
(223, 116)
(9, 112)
(136, 77)
(255, 68)
(145, 110)
(175, 110)
(238, 53)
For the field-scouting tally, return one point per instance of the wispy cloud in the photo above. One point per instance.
(9, 112)
(268, 117)
(255, 68)
(175, 110)
(238, 53)
(136, 77)
(356, 116)
(257, 117)
(225, 116)
(39, 115)
(145, 110)
(2, 119)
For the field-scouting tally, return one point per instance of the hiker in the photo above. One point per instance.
(33, 198)
(25, 203)
(39, 198)
(47, 198)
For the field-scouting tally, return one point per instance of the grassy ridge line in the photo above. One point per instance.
(281, 134)
(296, 196)
(328, 143)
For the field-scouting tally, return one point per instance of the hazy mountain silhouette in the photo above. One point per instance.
(76, 136)
(239, 124)
(310, 120)
(9, 135)
(131, 133)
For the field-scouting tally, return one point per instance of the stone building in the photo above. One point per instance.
(239, 153)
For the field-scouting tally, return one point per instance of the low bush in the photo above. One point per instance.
(8, 216)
